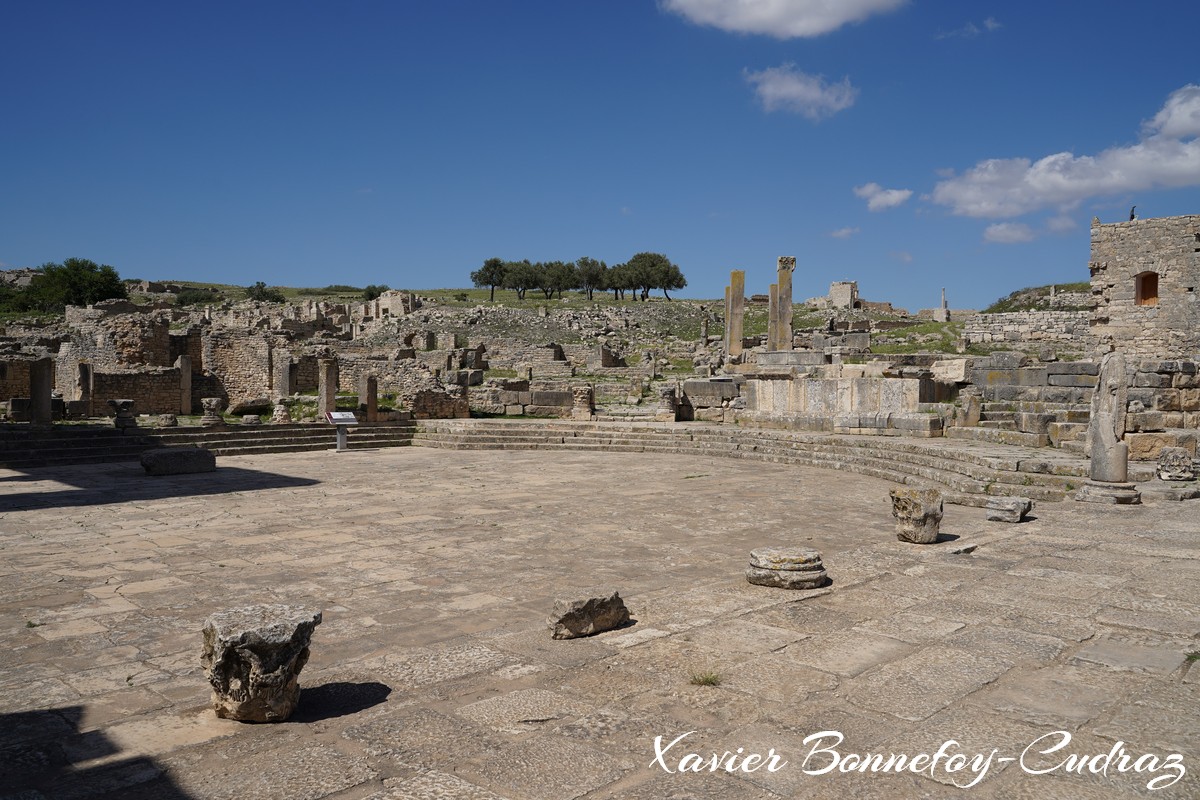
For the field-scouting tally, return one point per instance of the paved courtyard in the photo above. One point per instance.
(433, 674)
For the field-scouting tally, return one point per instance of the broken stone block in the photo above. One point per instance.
(786, 579)
(1008, 509)
(1175, 464)
(178, 460)
(795, 559)
(786, 568)
(280, 415)
(251, 419)
(575, 618)
(253, 657)
(918, 514)
(168, 421)
(212, 411)
(123, 416)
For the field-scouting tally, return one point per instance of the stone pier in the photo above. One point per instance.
(735, 310)
(327, 387)
(41, 383)
(781, 306)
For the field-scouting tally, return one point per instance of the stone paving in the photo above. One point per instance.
(433, 674)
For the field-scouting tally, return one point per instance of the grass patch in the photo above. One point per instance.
(706, 677)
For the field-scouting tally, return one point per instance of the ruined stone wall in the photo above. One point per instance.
(1169, 247)
(412, 382)
(242, 361)
(1069, 328)
(154, 391)
(14, 379)
(118, 340)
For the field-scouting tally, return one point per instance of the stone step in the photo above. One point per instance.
(88, 446)
(1038, 483)
(999, 436)
(998, 424)
(1009, 416)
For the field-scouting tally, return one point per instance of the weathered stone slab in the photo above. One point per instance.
(1008, 509)
(787, 579)
(787, 558)
(253, 657)
(574, 618)
(918, 514)
(178, 460)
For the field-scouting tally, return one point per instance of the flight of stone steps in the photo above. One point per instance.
(969, 471)
(998, 425)
(21, 446)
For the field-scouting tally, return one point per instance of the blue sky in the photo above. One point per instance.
(906, 145)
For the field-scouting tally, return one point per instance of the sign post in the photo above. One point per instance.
(343, 420)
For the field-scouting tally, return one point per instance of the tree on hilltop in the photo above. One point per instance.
(589, 275)
(491, 275)
(521, 276)
(555, 276)
(655, 271)
(75, 282)
(262, 293)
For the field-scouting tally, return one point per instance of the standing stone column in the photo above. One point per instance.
(184, 365)
(123, 414)
(253, 657)
(1108, 454)
(41, 384)
(783, 303)
(327, 371)
(668, 405)
(368, 397)
(583, 402)
(212, 411)
(735, 311)
(773, 316)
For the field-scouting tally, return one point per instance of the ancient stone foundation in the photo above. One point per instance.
(253, 657)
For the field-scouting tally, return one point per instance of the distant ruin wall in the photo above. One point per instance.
(153, 391)
(242, 361)
(14, 379)
(1071, 328)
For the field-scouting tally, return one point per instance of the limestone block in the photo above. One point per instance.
(787, 579)
(1145, 421)
(1008, 509)
(955, 370)
(796, 559)
(1175, 464)
(572, 619)
(1034, 423)
(280, 415)
(253, 657)
(178, 460)
(251, 419)
(1147, 446)
(918, 514)
(168, 421)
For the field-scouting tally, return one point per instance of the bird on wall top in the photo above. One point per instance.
(1132, 215)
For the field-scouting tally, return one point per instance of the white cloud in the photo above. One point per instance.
(843, 233)
(1008, 233)
(783, 19)
(992, 24)
(1168, 156)
(881, 199)
(785, 88)
(1061, 224)
(968, 31)
(902, 255)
